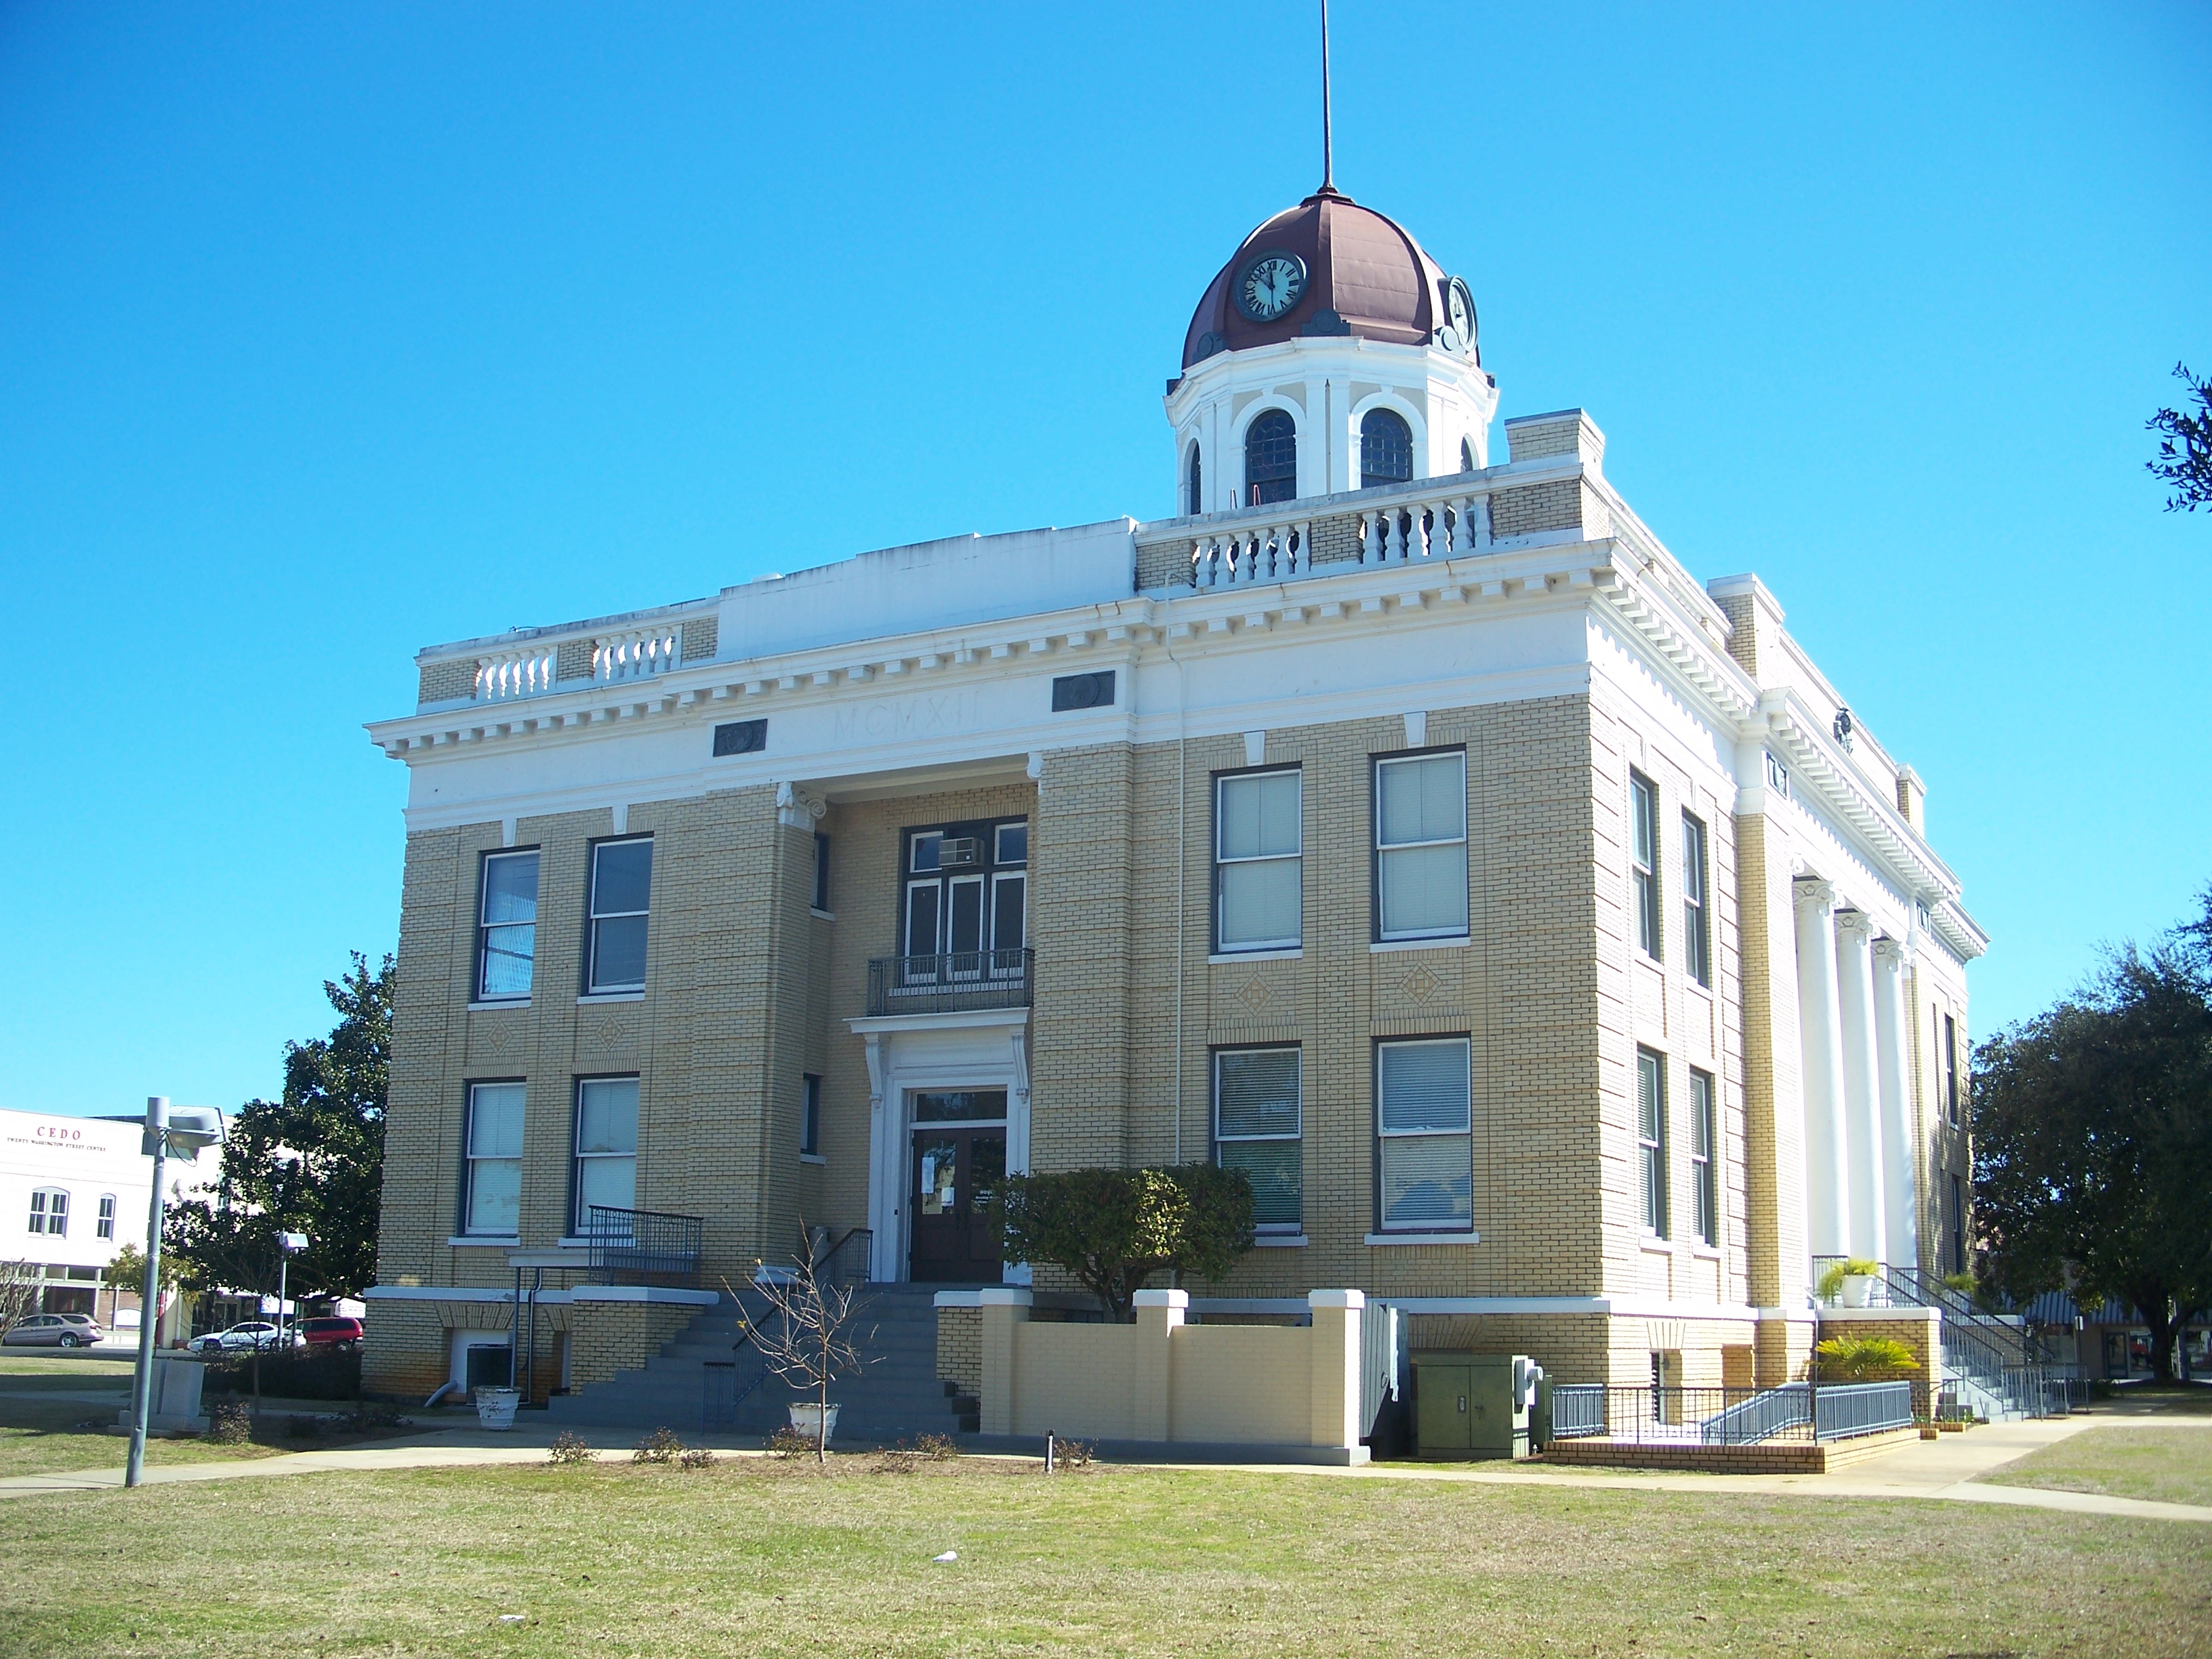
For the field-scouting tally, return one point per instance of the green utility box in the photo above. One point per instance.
(1470, 1405)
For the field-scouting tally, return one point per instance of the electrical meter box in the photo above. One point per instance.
(1468, 1405)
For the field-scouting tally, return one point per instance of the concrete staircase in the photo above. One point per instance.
(895, 1396)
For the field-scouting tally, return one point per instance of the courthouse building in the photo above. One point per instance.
(1401, 821)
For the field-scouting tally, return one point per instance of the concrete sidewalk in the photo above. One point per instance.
(1944, 1469)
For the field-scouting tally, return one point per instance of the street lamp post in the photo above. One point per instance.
(289, 1245)
(183, 1132)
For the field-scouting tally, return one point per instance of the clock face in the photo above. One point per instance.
(1459, 306)
(1270, 286)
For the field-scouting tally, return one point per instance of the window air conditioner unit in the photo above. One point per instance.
(960, 853)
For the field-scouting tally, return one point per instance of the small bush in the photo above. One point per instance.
(693, 1458)
(1070, 1453)
(569, 1447)
(372, 1417)
(1865, 1360)
(901, 1461)
(932, 1447)
(787, 1442)
(230, 1423)
(661, 1446)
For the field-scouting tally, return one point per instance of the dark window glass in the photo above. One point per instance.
(1696, 919)
(1257, 1128)
(1951, 1070)
(810, 1115)
(1386, 449)
(1958, 1225)
(1651, 1138)
(622, 883)
(1271, 459)
(822, 873)
(1644, 806)
(1466, 456)
(1197, 498)
(960, 1106)
(1702, 1155)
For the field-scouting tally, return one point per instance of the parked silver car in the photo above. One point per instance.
(54, 1331)
(245, 1338)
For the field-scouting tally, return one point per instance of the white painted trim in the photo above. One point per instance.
(977, 1019)
(591, 998)
(1611, 1307)
(1456, 942)
(1221, 959)
(813, 1157)
(1346, 1298)
(1380, 1241)
(820, 915)
(670, 1294)
(1845, 1316)
(484, 1241)
(1279, 1241)
(490, 1007)
(441, 1293)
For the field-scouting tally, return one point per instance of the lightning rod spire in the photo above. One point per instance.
(1327, 149)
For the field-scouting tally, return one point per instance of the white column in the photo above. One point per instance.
(1861, 1099)
(1827, 1161)
(1892, 1066)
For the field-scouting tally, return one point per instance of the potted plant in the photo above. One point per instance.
(1848, 1283)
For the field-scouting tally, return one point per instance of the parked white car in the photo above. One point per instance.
(246, 1338)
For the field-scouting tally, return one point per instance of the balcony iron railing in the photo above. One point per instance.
(1795, 1412)
(957, 982)
(644, 1247)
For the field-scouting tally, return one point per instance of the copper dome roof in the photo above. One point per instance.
(1364, 276)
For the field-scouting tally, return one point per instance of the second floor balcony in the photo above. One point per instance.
(957, 982)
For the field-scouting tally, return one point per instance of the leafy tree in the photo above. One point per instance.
(127, 1271)
(2184, 449)
(311, 1162)
(1114, 1229)
(2093, 1139)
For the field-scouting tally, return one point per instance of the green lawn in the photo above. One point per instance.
(102, 1372)
(2173, 1465)
(41, 1435)
(759, 1560)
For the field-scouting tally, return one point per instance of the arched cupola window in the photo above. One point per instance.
(1466, 455)
(1271, 459)
(1386, 449)
(1195, 501)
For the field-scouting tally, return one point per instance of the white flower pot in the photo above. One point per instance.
(808, 1419)
(1857, 1288)
(496, 1407)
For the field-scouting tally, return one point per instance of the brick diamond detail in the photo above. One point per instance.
(1256, 995)
(1420, 984)
(610, 1033)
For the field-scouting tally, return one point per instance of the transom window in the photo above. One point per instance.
(622, 888)
(1644, 858)
(606, 1145)
(1424, 1130)
(1651, 1139)
(507, 926)
(1259, 863)
(493, 1202)
(1271, 459)
(1697, 916)
(50, 1212)
(965, 900)
(1421, 845)
(1386, 449)
(1257, 1128)
(1703, 1163)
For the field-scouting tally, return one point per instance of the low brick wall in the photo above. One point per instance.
(960, 1349)
(1798, 1457)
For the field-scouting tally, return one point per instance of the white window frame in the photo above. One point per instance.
(1704, 1156)
(1296, 1135)
(1697, 894)
(486, 929)
(1291, 941)
(1643, 864)
(49, 1208)
(579, 1216)
(1383, 1136)
(1651, 1142)
(595, 986)
(103, 1225)
(1384, 849)
(475, 1161)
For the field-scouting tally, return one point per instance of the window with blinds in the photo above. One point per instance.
(1704, 1162)
(492, 1202)
(1424, 1154)
(1651, 1139)
(1421, 847)
(1644, 860)
(1258, 1128)
(1258, 866)
(1696, 914)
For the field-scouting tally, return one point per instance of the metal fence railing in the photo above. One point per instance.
(643, 1247)
(841, 1259)
(956, 981)
(1798, 1412)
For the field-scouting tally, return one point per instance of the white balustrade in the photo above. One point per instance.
(515, 674)
(1260, 552)
(636, 656)
(1444, 520)
(1451, 526)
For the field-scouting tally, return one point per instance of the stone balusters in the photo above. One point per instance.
(515, 674)
(1257, 553)
(638, 655)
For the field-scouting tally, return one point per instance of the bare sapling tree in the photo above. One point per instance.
(807, 1339)
(21, 1284)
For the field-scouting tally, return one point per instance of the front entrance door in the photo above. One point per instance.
(958, 1160)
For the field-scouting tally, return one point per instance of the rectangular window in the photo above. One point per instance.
(493, 1202)
(1258, 870)
(1421, 847)
(821, 872)
(1697, 915)
(1950, 1059)
(1644, 807)
(1703, 1164)
(1651, 1139)
(810, 1115)
(507, 926)
(1958, 1225)
(1258, 1123)
(1424, 1144)
(606, 1146)
(622, 885)
(105, 1227)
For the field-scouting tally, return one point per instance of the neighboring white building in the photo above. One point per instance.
(73, 1192)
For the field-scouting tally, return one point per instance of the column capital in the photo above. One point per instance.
(1811, 890)
(1892, 952)
(1854, 925)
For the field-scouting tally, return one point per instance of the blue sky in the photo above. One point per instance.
(329, 332)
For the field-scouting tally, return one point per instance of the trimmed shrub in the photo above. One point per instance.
(569, 1447)
(1866, 1359)
(1114, 1229)
(331, 1372)
(661, 1446)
